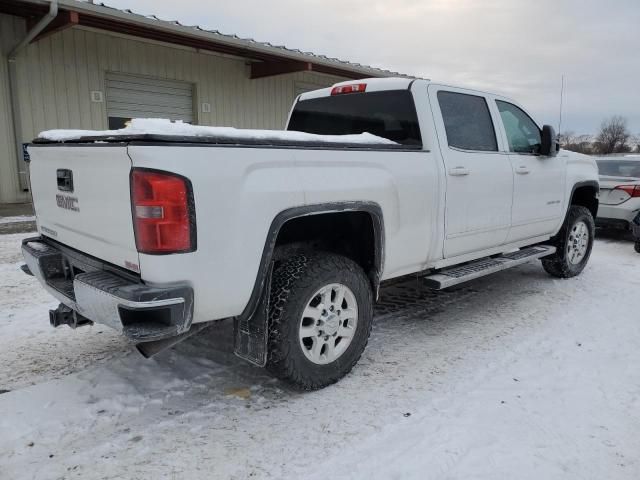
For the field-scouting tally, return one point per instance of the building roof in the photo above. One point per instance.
(267, 59)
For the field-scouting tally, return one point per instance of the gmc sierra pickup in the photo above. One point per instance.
(159, 232)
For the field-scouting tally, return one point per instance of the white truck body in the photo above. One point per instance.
(440, 204)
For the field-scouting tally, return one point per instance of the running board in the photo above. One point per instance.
(448, 277)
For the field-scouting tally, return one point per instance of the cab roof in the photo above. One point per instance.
(389, 83)
(373, 85)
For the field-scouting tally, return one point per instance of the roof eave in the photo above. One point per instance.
(113, 19)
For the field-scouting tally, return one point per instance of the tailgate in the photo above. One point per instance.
(81, 198)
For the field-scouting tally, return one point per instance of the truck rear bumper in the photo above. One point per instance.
(140, 312)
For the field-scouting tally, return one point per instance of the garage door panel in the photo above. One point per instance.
(131, 96)
(142, 80)
(135, 107)
(126, 97)
(141, 112)
(148, 112)
(139, 87)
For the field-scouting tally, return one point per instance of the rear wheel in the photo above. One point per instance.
(637, 247)
(574, 242)
(320, 318)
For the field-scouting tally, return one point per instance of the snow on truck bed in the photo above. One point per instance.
(163, 127)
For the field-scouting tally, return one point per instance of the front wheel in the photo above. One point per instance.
(320, 319)
(574, 242)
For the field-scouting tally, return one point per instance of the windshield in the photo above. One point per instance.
(619, 168)
(389, 114)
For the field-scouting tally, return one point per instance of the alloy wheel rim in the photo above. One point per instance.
(328, 323)
(578, 242)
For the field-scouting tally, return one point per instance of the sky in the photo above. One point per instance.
(517, 48)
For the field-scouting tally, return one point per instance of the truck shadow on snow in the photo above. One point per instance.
(613, 235)
(409, 318)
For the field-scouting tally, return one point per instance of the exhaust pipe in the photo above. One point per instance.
(64, 315)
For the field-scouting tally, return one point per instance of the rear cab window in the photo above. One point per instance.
(388, 114)
(467, 122)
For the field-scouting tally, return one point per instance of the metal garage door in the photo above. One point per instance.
(132, 96)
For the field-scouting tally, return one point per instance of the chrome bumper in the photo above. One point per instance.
(139, 311)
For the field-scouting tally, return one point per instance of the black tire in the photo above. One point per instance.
(295, 280)
(559, 265)
(637, 247)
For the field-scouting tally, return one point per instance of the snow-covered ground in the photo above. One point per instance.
(515, 376)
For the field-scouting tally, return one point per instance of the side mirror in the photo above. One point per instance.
(549, 146)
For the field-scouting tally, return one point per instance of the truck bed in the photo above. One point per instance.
(222, 140)
(162, 131)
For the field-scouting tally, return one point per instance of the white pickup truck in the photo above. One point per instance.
(159, 233)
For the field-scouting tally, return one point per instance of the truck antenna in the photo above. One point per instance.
(561, 99)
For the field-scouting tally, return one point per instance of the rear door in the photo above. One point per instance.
(81, 198)
(539, 181)
(479, 178)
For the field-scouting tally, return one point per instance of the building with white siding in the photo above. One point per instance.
(75, 64)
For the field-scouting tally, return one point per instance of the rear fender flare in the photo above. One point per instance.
(372, 208)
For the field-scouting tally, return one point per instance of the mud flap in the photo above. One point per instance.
(252, 333)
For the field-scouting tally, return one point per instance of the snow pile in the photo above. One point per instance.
(160, 126)
(40, 247)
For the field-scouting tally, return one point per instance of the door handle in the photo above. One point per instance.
(522, 170)
(459, 171)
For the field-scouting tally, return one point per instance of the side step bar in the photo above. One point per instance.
(448, 277)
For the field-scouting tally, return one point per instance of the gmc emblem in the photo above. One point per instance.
(67, 202)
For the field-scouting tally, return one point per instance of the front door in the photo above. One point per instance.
(539, 181)
(479, 178)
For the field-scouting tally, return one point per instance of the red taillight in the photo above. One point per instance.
(632, 190)
(351, 88)
(162, 212)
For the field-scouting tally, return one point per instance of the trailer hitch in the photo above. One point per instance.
(64, 315)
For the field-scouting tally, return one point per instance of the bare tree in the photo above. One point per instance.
(613, 136)
(566, 138)
(577, 143)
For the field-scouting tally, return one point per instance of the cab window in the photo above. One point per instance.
(523, 134)
(467, 121)
(388, 114)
